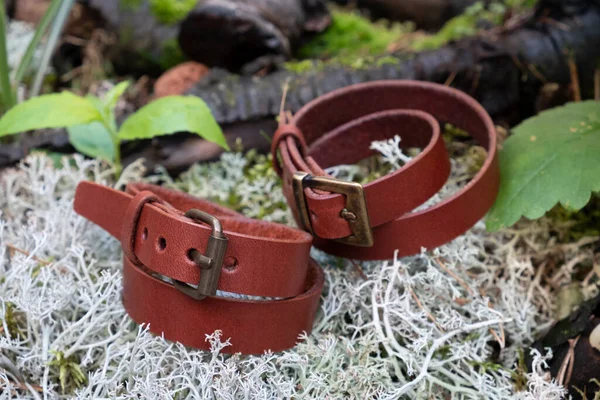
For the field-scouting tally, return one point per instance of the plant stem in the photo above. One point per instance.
(55, 31)
(5, 87)
(118, 165)
(35, 41)
(111, 127)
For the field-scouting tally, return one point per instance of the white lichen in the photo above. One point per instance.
(443, 324)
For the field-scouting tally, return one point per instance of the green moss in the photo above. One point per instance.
(351, 34)
(130, 5)
(519, 5)
(387, 60)
(443, 352)
(584, 223)
(462, 25)
(15, 321)
(303, 66)
(70, 375)
(485, 366)
(172, 54)
(467, 24)
(169, 12)
(519, 374)
(354, 62)
(229, 97)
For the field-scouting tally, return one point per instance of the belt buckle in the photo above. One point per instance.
(356, 206)
(211, 263)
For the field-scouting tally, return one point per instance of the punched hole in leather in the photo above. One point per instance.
(277, 285)
(130, 225)
(338, 128)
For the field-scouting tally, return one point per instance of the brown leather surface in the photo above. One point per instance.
(338, 128)
(262, 259)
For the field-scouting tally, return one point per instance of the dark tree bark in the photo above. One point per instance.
(504, 69)
(247, 35)
(143, 43)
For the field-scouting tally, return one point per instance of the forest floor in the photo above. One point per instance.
(454, 322)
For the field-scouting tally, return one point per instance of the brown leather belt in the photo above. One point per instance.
(179, 250)
(374, 220)
(172, 241)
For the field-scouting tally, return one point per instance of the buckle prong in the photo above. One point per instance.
(355, 213)
(211, 263)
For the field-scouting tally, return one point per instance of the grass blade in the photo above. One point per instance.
(55, 30)
(35, 41)
(7, 93)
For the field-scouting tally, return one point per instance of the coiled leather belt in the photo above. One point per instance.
(180, 250)
(374, 220)
(212, 248)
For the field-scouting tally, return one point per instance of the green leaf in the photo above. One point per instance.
(173, 114)
(114, 94)
(92, 140)
(49, 111)
(551, 158)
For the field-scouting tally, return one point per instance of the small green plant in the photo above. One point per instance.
(70, 375)
(92, 125)
(551, 158)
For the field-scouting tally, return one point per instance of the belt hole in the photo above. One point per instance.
(190, 254)
(145, 234)
(162, 244)
(230, 263)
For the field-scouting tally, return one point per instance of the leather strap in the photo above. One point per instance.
(337, 128)
(262, 259)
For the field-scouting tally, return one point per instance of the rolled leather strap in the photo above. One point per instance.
(337, 128)
(261, 259)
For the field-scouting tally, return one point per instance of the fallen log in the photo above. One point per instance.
(503, 69)
(249, 35)
(426, 14)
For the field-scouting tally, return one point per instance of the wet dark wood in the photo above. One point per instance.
(249, 35)
(503, 70)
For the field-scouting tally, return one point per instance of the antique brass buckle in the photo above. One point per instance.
(356, 206)
(211, 263)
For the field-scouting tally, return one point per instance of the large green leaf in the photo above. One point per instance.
(49, 111)
(551, 158)
(92, 140)
(173, 114)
